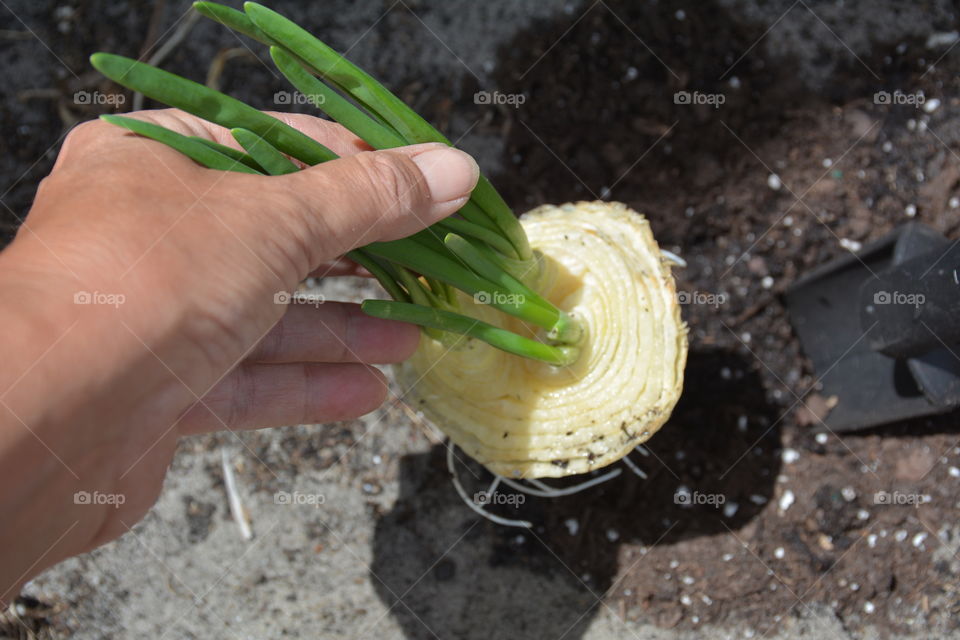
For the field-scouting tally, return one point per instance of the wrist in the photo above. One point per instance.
(35, 480)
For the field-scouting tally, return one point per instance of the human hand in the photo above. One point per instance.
(179, 331)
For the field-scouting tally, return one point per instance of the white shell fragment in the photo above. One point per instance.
(526, 419)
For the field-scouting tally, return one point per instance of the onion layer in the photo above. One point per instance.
(526, 419)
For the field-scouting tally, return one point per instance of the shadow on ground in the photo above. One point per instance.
(444, 571)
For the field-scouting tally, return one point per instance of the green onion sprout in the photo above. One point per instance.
(481, 252)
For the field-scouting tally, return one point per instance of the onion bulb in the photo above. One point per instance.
(523, 418)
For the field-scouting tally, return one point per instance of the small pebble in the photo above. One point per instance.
(942, 39)
(778, 553)
(887, 147)
(688, 580)
(742, 423)
(767, 282)
(821, 438)
(900, 536)
(612, 535)
(931, 105)
(918, 539)
(863, 514)
(868, 607)
(850, 245)
(849, 494)
(377, 459)
(854, 586)
(827, 163)
(954, 202)
(911, 210)
(734, 82)
(790, 456)
(674, 564)
(727, 557)
(686, 600)
(756, 498)
(872, 540)
(786, 500)
(572, 526)
(730, 509)
(680, 14)
(954, 472)
(773, 181)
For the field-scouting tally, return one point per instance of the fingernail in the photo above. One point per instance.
(450, 174)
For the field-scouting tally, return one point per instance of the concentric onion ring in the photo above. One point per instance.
(522, 418)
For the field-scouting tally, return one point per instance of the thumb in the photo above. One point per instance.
(379, 195)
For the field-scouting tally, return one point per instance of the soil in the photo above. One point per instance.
(800, 529)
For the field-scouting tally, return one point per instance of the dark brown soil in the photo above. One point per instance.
(593, 128)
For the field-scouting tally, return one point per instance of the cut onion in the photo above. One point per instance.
(521, 418)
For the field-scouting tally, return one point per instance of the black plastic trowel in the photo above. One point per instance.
(882, 328)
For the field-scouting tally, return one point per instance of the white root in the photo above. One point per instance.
(633, 467)
(674, 258)
(540, 489)
(545, 491)
(507, 522)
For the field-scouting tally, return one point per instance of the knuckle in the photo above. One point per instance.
(85, 132)
(342, 331)
(280, 218)
(239, 406)
(312, 404)
(394, 180)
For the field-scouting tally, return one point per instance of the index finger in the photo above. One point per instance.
(332, 135)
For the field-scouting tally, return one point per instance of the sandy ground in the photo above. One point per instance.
(382, 548)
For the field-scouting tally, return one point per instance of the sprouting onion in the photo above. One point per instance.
(553, 344)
